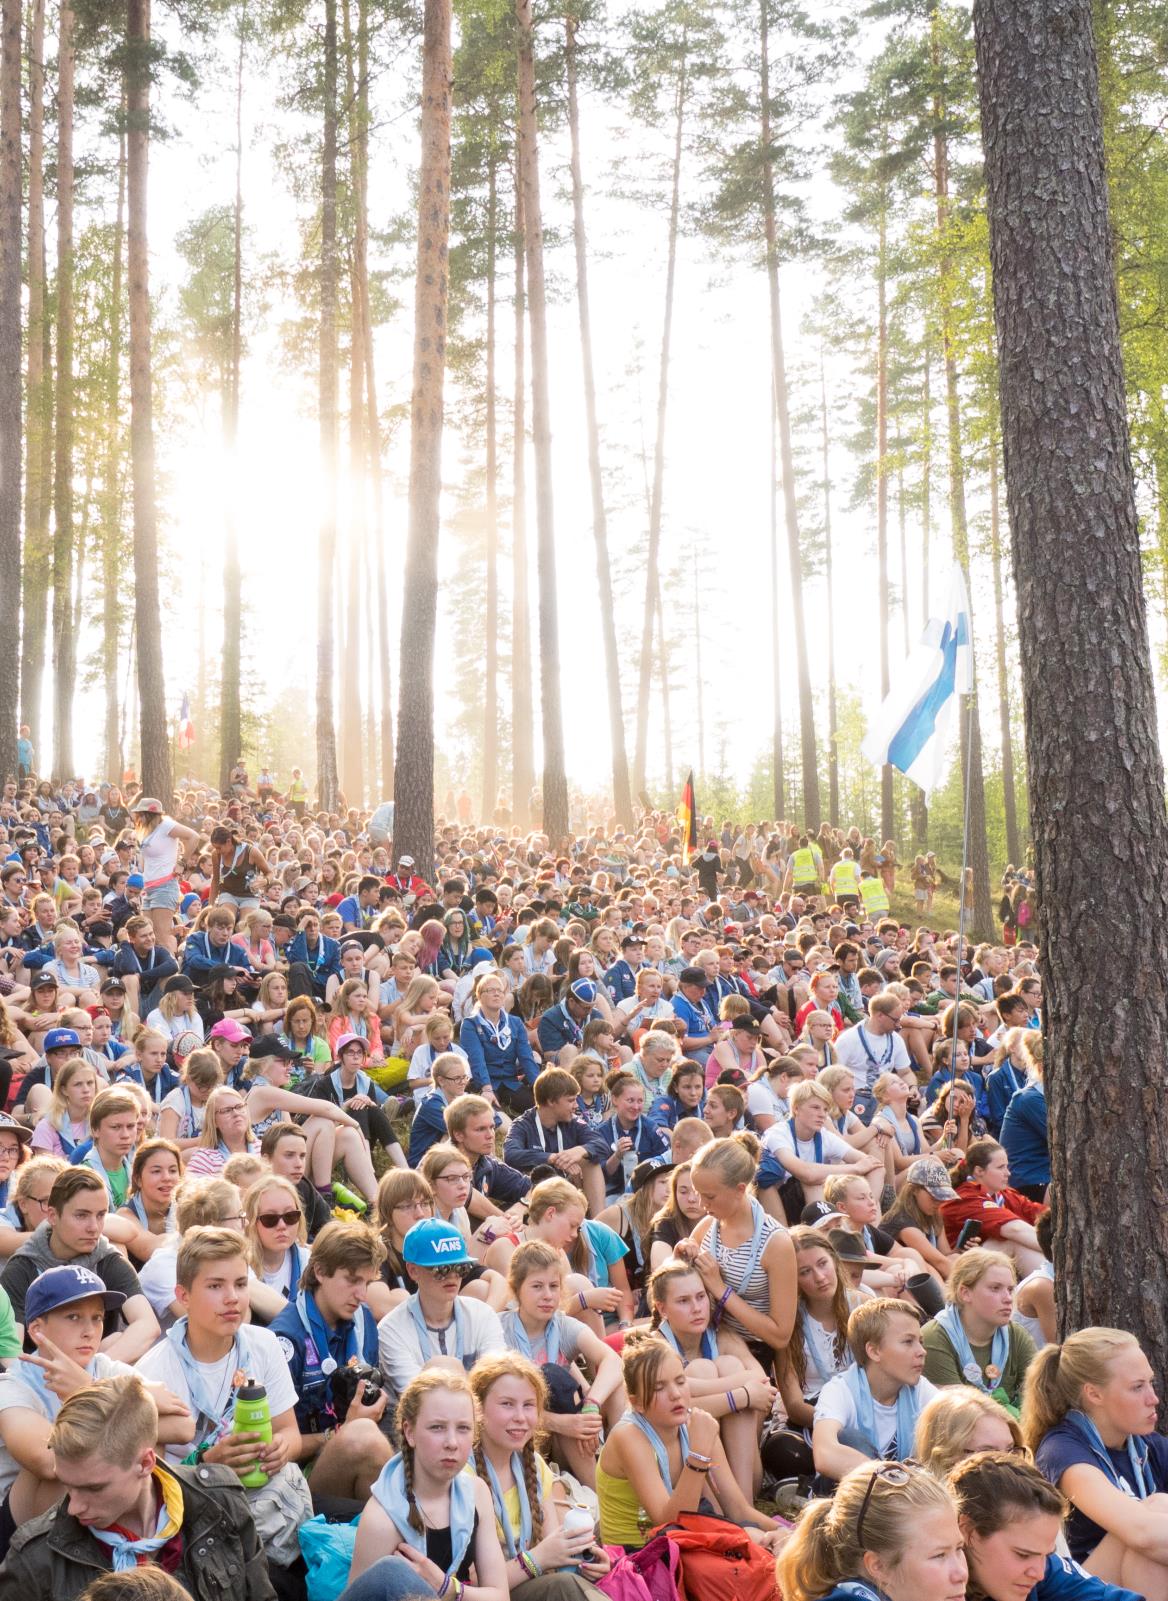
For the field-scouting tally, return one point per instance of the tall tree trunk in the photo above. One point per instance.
(38, 425)
(351, 731)
(808, 752)
(491, 684)
(918, 805)
(230, 691)
(326, 733)
(653, 551)
(621, 792)
(64, 640)
(111, 492)
(883, 604)
(833, 805)
(555, 780)
(699, 680)
(1091, 736)
(971, 752)
(414, 785)
(778, 767)
(155, 744)
(522, 743)
(1013, 842)
(663, 672)
(10, 377)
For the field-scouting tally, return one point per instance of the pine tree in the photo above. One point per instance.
(326, 736)
(10, 374)
(39, 402)
(64, 531)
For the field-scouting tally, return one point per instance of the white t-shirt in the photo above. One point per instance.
(761, 1101)
(400, 1345)
(159, 852)
(780, 1139)
(191, 1127)
(262, 1360)
(835, 1402)
(14, 1393)
(660, 1009)
(174, 1026)
(885, 1053)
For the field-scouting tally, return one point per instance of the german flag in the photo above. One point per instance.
(687, 816)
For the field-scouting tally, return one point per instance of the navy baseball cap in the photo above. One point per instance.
(583, 990)
(62, 1039)
(433, 1243)
(61, 1286)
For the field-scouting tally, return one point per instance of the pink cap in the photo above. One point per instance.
(347, 1040)
(228, 1029)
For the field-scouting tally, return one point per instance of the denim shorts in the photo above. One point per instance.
(163, 897)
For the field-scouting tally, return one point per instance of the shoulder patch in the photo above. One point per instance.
(287, 1349)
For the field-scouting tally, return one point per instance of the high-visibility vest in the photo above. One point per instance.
(803, 870)
(874, 895)
(845, 878)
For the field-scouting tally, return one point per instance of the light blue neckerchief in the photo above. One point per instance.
(93, 1160)
(709, 1343)
(200, 1400)
(389, 1491)
(950, 1320)
(1143, 1482)
(756, 1247)
(360, 1087)
(908, 1408)
(426, 1339)
(126, 1551)
(641, 1422)
(518, 1338)
(139, 1211)
(509, 1544)
(28, 1374)
(812, 1354)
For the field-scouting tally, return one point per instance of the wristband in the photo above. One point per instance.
(444, 1587)
(589, 1408)
(730, 1398)
(529, 1565)
(720, 1305)
(698, 1467)
(583, 1300)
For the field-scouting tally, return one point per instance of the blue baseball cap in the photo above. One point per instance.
(433, 1243)
(135, 881)
(583, 990)
(61, 1286)
(62, 1039)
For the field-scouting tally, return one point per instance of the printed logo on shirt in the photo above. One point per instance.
(287, 1349)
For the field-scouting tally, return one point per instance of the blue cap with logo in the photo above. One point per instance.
(433, 1243)
(62, 1039)
(583, 990)
(61, 1286)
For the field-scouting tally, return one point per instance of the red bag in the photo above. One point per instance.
(719, 1561)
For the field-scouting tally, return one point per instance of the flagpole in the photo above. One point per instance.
(961, 890)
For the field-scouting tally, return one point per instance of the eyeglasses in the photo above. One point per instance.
(271, 1220)
(893, 1473)
(37, 1200)
(233, 1217)
(10, 1151)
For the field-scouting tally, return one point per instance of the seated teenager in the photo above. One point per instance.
(28, 1201)
(805, 1150)
(123, 1502)
(403, 1199)
(630, 1217)
(423, 1501)
(72, 1234)
(64, 1128)
(148, 1214)
(851, 1196)
(113, 1128)
(598, 1283)
(324, 1329)
(1089, 1416)
(512, 1397)
(65, 1310)
(180, 1117)
(226, 1133)
(552, 1132)
(537, 1328)
(275, 1233)
(451, 1076)
(676, 1219)
(975, 1340)
(723, 1377)
(502, 1066)
(333, 1133)
(914, 1219)
(666, 1456)
(1007, 1218)
(285, 1150)
(871, 1410)
(1011, 1519)
(201, 1203)
(889, 1533)
(206, 1357)
(351, 1089)
(960, 1422)
(627, 1138)
(145, 1063)
(496, 1188)
(435, 1326)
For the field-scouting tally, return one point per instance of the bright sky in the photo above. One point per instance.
(717, 470)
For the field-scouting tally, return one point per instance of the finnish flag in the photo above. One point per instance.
(910, 731)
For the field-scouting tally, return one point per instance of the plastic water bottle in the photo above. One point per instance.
(253, 1415)
(578, 1520)
(346, 1198)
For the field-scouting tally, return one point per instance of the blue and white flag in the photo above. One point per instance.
(911, 729)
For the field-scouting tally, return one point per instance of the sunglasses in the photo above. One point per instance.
(450, 1270)
(893, 1473)
(271, 1220)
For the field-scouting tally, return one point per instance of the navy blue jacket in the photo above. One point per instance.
(314, 1409)
(524, 1148)
(649, 1139)
(1024, 1137)
(621, 980)
(1000, 1084)
(558, 1028)
(325, 961)
(493, 1065)
(200, 956)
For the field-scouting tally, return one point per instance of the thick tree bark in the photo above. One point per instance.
(491, 676)
(1095, 773)
(555, 780)
(64, 533)
(155, 743)
(230, 711)
(621, 792)
(414, 778)
(1009, 800)
(522, 734)
(653, 551)
(833, 801)
(38, 425)
(326, 733)
(10, 377)
(809, 754)
(111, 494)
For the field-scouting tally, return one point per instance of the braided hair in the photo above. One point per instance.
(486, 1373)
(408, 1409)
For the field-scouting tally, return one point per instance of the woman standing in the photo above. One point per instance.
(162, 843)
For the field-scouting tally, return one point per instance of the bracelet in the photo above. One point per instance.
(582, 1297)
(730, 1398)
(720, 1305)
(444, 1586)
(589, 1407)
(529, 1565)
(698, 1467)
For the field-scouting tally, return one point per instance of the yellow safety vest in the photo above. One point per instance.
(874, 895)
(845, 878)
(803, 869)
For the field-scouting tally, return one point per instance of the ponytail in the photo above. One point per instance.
(808, 1565)
(1057, 1374)
(979, 1153)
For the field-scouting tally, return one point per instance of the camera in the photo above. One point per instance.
(346, 1381)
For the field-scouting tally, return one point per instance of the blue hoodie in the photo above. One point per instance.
(1063, 1580)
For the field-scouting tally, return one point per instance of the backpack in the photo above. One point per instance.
(719, 1561)
(1024, 914)
(650, 1574)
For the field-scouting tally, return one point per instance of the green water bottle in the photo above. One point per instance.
(252, 1415)
(345, 1197)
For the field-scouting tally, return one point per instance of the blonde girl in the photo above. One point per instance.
(840, 1083)
(176, 1012)
(537, 1328)
(65, 1126)
(413, 1011)
(961, 1422)
(226, 1132)
(818, 1032)
(592, 1104)
(277, 1235)
(512, 1400)
(437, 1040)
(180, 1118)
(261, 952)
(354, 1013)
(271, 1002)
(597, 1283)
(424, 1502)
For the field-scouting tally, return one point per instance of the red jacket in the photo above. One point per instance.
(973, 1201)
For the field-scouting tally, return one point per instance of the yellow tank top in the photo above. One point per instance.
(621, 1514)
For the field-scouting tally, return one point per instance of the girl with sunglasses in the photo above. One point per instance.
(277, 1235)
